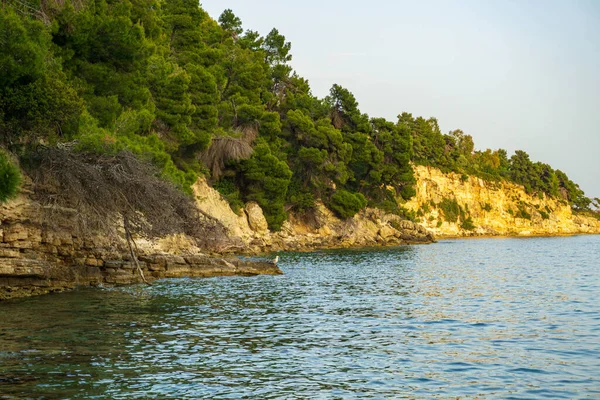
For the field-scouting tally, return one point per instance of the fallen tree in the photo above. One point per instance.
(110, 191)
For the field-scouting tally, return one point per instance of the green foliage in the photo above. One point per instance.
(300, 198)
(450, 209)
(230, 23)
(228, 189)
(346, 204)
(544, 214)
(35, 99)
(10, 178)
(468, 224)
(303, 201)
(25, 44)
(522, 212)
(486, 207)
(571, 192)
(265, 180)
(408, 214)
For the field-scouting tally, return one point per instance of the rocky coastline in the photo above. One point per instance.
(320, 229)
(38, 258)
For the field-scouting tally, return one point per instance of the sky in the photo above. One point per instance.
(514, 74)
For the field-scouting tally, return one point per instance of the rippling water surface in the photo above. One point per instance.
(486, 318)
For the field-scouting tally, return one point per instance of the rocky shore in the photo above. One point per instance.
(36, 258)
(39, 256)
(320, 229)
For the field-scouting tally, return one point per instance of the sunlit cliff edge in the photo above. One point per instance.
(495, 208)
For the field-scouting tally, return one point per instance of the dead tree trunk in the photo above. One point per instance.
(133, 256)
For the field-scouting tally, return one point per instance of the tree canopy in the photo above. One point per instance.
(164, 81)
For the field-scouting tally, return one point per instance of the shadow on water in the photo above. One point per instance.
(487, 318)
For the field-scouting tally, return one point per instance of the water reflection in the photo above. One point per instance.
(487, 318)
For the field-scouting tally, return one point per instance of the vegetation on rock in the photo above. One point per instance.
(108, 188)
(10, 178)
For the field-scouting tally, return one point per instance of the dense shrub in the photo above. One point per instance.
(346, 204)
(451, 209)
(230, 192)
(522, 213)
(468, 224)
(266, 179)
(10, 178)
(303, 201)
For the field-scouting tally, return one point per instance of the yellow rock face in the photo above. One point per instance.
(495, 208)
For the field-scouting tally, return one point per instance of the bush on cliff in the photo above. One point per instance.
(346, 204)
(265, 179)
(10, 178)
(451, 209)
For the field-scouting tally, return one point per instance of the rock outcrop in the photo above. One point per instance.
(38, 258)
(495, 208)
(319, 229)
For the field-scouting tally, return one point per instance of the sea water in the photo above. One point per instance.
(478, 318)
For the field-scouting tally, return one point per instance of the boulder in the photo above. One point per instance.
(256, 218)
(387, 232)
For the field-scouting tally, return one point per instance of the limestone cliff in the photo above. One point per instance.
(319, 229)
(494, 208)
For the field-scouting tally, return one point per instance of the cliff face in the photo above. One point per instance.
(495, 208)
(320, 229)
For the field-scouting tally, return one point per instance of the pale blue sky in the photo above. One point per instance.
(513, 74)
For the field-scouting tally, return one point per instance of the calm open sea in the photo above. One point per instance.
(479, 318)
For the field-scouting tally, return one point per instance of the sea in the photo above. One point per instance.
(502, 318)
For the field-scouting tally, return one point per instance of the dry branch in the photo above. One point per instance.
(106, 188)
(224, 149)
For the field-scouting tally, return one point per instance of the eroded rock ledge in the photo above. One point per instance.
(38, 259)
(20, 277)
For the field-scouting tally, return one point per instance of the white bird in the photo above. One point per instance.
(275, 260)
